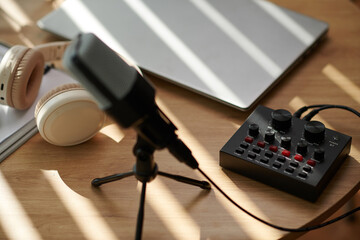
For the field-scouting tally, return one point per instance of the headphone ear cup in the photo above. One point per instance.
(68, 115)
(21, 72)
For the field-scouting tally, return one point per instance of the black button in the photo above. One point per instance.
(256, 150)
(244, 145)
(269, 154)
(286, 142)
(253, 129)
(303, 175)
(302, 147)
(264, 160)
(239, 151)
(281, 159)
(277, 165)
(289, 170)
(307, 169)
(294, 164)
(319, 154)
(252, 155)
(269, 136)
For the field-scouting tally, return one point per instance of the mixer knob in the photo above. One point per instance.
(314, 131)
(319, 154)
(269, 135)
(286, 142)
(281, 119)
(302, 147)
(253, 129)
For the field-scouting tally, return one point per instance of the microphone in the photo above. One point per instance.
(123, 93)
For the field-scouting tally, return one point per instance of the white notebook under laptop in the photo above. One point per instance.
(230, 50)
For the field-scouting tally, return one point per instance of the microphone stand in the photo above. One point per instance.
(145, 170)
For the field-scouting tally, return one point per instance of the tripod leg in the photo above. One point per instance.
(202, 184)
(140, 217)
(99, 181)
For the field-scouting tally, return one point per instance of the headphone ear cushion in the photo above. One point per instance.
(22, 72)
(68, 115)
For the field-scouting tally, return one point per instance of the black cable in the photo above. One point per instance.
(310, 115)
(303, 229)
(300, 111)
(321, 107)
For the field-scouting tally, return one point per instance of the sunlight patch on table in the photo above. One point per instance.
(14, 220)
(342, 82)
(15, 14)
(172, 214)
(86, 216)
(355, 153)
(113, 131)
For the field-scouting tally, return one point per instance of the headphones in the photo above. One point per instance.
(65, 116)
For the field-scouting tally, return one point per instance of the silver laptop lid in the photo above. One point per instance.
(232, 51)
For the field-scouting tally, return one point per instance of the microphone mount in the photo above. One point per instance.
(145, 170)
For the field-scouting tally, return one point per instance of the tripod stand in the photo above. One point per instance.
(145, 170)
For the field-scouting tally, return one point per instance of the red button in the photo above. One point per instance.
(249, 139)
(311, 162)
(261, 144)
(273, 148)
(286, 153)
(298, 157)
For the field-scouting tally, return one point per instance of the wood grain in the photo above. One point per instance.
(51, 185)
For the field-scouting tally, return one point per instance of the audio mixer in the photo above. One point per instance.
(286, 152)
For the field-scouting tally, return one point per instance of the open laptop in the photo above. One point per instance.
(232, 51)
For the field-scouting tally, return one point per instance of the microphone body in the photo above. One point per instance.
(123, 93)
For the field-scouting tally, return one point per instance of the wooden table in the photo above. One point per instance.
(46, 192)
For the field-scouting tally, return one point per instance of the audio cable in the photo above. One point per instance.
(319, 108)
(302, 229)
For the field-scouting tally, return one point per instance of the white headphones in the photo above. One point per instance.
(67, 115)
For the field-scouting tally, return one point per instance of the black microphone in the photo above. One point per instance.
(123, 93)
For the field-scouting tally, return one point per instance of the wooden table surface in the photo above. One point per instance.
(45, 191)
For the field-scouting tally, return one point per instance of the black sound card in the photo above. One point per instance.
(285, 152)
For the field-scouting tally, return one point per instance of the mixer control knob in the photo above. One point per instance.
(281, 119)
(314, 132)
(253, 129)
(302, 147)
(269, 135)
(319, 154)
(286, 142)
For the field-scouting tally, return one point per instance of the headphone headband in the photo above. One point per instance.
(53, 51)
(21, 72)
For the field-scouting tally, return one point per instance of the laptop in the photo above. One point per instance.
(231, 51)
